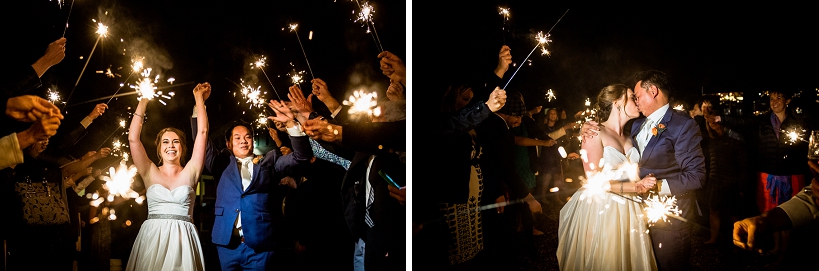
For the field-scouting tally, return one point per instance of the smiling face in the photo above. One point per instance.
(241, 142)
(171, 147)
(778, 102)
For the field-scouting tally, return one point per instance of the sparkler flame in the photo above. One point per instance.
(296, 77)
(794, 135)
(102, 30)
(679, 107)
(53, 96)
(259, 63)
(119, 181)
(252, 95)
(362, 102)
(660, 207)
(542, 41)
(550, 95)
(293, 27)
(505, 12)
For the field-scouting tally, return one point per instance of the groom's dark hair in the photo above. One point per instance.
(653, 77)
(234, 124)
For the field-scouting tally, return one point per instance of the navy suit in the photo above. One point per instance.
(676, 156)
(260, 203)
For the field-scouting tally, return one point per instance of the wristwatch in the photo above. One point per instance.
(313, 115)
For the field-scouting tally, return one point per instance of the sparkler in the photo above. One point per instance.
(296, 77)
(550, 95)
(135, 68)
(146, 88)
(679, 107)
(121, 126)
(505, 13)
(119, 181)
(102, 30)
(661, 207)
(259, 64)
(67, 17)
(252, 95)
(366, 16)
(541, 39)
(361, 102)
(293, 29)
(53, 96)
(794, 135)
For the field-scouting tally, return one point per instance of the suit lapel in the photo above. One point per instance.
(653, 140)
(234, 175)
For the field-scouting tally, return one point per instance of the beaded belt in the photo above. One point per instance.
(170, 216)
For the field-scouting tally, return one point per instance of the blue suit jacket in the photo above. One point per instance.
(674, 154)
(260, 204)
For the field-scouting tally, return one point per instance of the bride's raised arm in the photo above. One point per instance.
(200, 93)
(141, 161)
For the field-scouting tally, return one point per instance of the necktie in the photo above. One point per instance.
(370, 194)
(646, 136)
(245, 167)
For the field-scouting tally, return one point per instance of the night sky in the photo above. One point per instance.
(703, 49)
(197, 41)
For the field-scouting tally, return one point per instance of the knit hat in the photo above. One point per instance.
(514, 104)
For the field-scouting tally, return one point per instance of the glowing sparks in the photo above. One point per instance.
(259, 63)
(293, 27)
(542, 41)
(794, 135)
(252, 95)
(361, 102)
(102, 30)
(550, 95)
(505, 13)
(562, 152)
(261, 121)
(660, 207)
(137, 66)
(53, 96)
(587, 103)
(366, 15)
(679, 107)
(119, 181)
(297, 77)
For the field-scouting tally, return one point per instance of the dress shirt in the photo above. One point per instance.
(246, 171)
(644, 136)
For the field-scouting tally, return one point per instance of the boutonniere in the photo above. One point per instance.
(257, 159)
(658, 129)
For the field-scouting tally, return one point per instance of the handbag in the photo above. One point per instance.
(43, 203)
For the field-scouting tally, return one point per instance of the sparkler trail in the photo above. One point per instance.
(128, 93)
(102, 30)
(137, 67)
(259, 64)
(366, 15)
(68, 17)
(542, 39)
(293, 29)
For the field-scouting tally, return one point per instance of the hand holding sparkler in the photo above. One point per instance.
(321, 92)
(504, 60)
(29, 108)
(319, 129)
(97, 111)
(41, 130)
(393, 67)
(395, 91)
(55, 52)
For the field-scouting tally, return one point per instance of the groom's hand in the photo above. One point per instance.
(646, 184)
(589, 129)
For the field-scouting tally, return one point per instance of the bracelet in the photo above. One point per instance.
(141, 116)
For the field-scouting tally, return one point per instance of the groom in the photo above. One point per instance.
(248, 210)
(669, 144)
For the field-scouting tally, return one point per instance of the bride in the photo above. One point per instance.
(605, 231)
(168, 240)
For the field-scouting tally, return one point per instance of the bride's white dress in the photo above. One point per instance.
(168, 240)
(603, 231)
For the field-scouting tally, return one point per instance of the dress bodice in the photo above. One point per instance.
(177, 201)
(615, 158)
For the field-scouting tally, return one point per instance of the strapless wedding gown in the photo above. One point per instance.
(168, 240)
(603, 231)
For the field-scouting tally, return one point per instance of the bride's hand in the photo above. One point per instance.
(646, 184)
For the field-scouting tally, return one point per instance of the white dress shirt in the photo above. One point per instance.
(644, 136)
(246, 171)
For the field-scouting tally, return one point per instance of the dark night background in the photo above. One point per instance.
(704, 49)
(198, 41)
